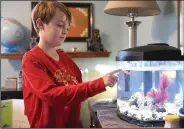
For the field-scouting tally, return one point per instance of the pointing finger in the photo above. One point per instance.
(115, 71)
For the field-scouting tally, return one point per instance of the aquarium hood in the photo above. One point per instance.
(150, 52)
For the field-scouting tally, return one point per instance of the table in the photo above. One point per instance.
(103, 115)
(11, 94)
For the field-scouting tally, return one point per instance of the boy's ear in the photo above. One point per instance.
(39, 23)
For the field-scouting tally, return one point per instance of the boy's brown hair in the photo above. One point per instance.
(45, 10)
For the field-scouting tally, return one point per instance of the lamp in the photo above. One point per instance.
(132, 9)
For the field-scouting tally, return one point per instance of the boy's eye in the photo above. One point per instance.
(60, 26)
(63, 27)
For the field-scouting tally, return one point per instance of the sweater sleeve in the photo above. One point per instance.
(44, 88)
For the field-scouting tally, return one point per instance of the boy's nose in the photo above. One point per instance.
(64, 31)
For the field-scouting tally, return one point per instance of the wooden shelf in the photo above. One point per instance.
(88, 54)
(19, 55)
(16, 55)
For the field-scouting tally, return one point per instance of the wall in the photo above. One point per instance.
(110, 36)
(114, 34)
(161, 28)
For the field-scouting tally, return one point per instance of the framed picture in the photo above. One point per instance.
(181, 25)
(82, 21)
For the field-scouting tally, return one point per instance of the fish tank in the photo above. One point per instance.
(150, 85)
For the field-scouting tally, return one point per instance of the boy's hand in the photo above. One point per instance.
(110, 79)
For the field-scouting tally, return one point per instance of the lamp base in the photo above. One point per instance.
(132, 25)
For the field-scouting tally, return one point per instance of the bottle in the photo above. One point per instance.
(19, 81)
(171, 121)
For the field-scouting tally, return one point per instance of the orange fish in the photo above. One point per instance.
(126, 72)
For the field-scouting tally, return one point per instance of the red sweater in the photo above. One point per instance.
(53, 90)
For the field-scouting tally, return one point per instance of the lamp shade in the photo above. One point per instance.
(142, 8)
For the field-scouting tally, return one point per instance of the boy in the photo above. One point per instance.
(52, 84)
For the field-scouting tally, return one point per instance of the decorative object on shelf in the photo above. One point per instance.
(12, 33)
(82, 20)
(94, 44)
(33, 42)
(11, 83)
(181, 25)
(132, 9)
(19, 81)
(75, 49)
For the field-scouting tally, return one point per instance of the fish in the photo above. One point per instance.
(126, 72)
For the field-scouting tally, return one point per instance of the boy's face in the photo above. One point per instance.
(55, 32)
